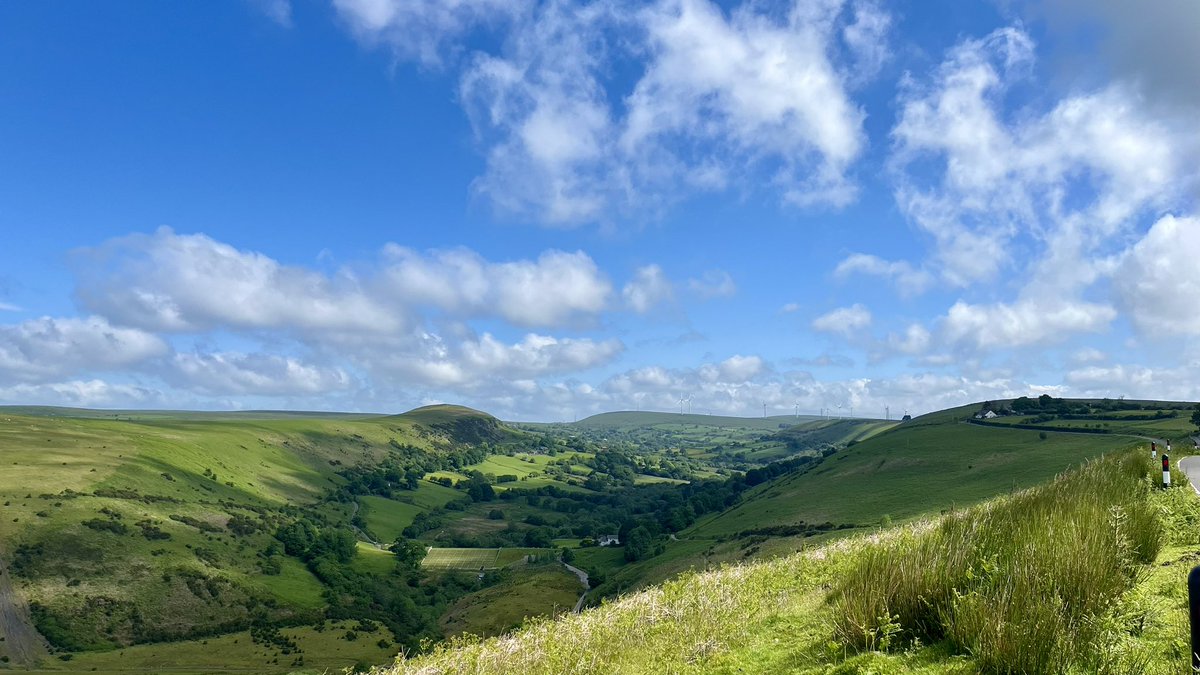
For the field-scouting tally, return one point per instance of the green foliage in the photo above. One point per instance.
(1196, 418)
(638, 544)
(1019, 583)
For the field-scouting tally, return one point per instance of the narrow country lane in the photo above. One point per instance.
(1191, 466)
(583, 579)
(22, 643)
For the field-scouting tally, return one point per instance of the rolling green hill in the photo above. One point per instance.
(628, 419)
(1045, 580)
(153, 531)
(124, 527)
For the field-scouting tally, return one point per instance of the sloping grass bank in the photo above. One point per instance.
(1020, 583)
(1054, 579)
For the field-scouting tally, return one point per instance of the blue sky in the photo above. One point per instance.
(548, 210)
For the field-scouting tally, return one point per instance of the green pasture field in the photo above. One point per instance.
(324, 651)
(540, 590)
(912, 470)
(387, 518)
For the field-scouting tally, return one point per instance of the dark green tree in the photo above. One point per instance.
(639, 543)
(1196, 417)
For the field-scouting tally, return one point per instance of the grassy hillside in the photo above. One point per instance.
(628, 419)
(931, 463)
(130, 527)
(1044, 580)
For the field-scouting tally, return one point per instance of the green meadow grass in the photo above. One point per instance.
(1068, 577)
(546, 589)
(911, 470)
(324, 651)
(387, 518)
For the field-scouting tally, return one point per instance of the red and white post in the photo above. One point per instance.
(1153, 450)
(1166, 471)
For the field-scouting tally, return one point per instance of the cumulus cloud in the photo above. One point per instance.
(192, 283)
(556, 288)
(82, 393)
(1155, 281)
(908, 280)
(648, 289)
(422, 29)
(477, 363)
(1022, 323)
(233, 373)
(1064, 181)
(844, 321)
(724, 99)
(45, 349)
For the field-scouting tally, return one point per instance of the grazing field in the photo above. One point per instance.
(542, 590)
(915, 469)
(326, 650)
(387, 518)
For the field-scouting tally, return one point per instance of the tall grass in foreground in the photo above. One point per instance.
(666, 628)
(1022, 583)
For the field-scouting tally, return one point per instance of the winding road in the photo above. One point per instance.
(360, 533)
(23, 645)
(1191, 466)
(583, 578)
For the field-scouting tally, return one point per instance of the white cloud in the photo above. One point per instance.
(713, 284)
(49, 348)
(1063, 182)
(844, 321)
(724, 100)
(908, 280)
(477, 364)
(555, 289)
(749, 88)
(789, 308)
(1020, 324)
(422, 29)
(192, 283)
(648, 289)
(735, 369)
(232, 373)
(6, 307)
(1156, 282)
(82, 393)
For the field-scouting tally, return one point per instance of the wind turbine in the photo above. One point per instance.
(764, 408)
(681, 401)
(689, 402)
(839, 407)
(797, 410)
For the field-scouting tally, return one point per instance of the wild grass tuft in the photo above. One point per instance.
(1021, 583)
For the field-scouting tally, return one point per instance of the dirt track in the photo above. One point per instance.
(22, 643)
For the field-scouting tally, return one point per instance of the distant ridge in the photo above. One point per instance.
(626, 418)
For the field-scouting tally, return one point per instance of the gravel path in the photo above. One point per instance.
(22, 643)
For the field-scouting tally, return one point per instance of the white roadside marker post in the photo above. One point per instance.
(1153, 450)
(1166, 471)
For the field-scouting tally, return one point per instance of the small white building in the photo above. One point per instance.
(608, 540)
